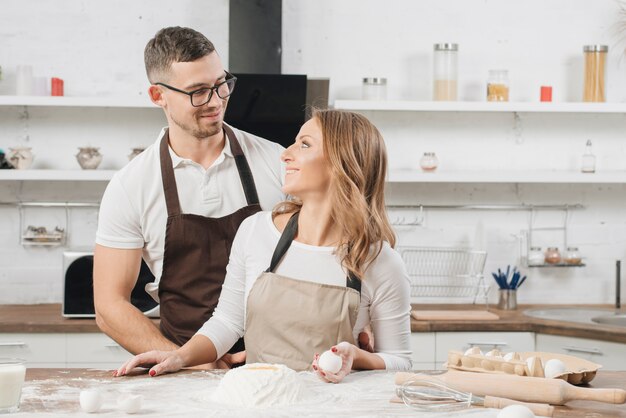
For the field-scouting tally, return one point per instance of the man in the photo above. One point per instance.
(179, 203)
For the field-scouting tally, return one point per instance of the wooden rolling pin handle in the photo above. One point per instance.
(542, 409)
(615, 396)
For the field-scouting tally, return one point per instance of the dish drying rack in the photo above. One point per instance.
(438, 273)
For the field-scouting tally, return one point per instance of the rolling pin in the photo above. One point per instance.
(521, 388)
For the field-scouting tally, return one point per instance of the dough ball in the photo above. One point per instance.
(330, 362)
(91, 400)
(553, 368)
(515, 411)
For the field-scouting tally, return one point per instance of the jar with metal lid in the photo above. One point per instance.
(374, 88)
(535, 256)
(572, 256)
(429, 162)
(595, 73)
(498, 86)
(552, 255)
(445, 73)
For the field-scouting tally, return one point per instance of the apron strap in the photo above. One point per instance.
(169, 180)
(245, 174)
(289, 233)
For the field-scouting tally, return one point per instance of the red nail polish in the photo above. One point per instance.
(334, 349)
(152, 372)
(323, 374)
(314, 367)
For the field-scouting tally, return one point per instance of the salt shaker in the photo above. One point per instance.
(552, 255)
(429, 162)
(572, 256)
(535, 256)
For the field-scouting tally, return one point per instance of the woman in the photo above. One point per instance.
(332, 269)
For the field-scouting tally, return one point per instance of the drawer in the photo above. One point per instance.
(486, 341)
(423, 347)
(42, 350)
(94, 348)
(612, 356)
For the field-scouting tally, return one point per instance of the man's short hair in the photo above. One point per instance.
(174, 44)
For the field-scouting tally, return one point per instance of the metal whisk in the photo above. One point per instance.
(432, 395)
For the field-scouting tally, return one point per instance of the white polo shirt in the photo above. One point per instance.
(133, 213)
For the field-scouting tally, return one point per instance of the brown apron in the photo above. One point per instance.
(289, 320)
(196, 252)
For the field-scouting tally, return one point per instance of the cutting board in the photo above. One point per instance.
(454, 315)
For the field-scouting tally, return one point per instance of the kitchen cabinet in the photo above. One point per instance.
(612, 356)
(39, 350)
(423, 347)
(94, 350)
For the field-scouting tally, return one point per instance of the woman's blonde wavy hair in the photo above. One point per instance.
(357, 155)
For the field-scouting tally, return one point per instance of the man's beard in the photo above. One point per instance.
(200, 132)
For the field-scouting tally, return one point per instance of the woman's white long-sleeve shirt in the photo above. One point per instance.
(385, 291)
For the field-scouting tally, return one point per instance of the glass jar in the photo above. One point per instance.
(552, 255)
(445, 73)
(535, 256)
(498, 86)
(374, 88)
(572, 256)
(20, 158)
(429, 162)
(589, 160)
(595, 73)
(89, 158)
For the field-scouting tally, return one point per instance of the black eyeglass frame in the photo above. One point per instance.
(229, 77)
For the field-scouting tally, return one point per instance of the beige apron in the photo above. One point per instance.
(289, 320)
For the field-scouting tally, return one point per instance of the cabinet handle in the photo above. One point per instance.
(112, 345)
(488, 344)
(12, 344)
(583, 350)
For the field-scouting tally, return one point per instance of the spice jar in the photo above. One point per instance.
(498, 86)
(595, 73)
(589, 160)
(572, 256)
(374, 88)
(445, 72)
(89, 158)
(552, 255)
(535, 256)
(429, 162)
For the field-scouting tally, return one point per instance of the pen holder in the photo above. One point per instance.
(507, 299)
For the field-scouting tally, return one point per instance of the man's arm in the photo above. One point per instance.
(114, 277)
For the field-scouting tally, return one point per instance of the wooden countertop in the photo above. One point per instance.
(46, 318)
(56, 391)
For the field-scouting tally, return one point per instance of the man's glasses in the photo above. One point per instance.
(203, 96)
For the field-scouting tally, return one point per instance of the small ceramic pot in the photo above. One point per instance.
(20, 157)
(135, 152)
(89, 158)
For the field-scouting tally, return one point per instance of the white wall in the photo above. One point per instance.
(97, 48)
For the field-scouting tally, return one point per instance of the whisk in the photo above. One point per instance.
(431, 395)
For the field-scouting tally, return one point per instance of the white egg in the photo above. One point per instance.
(554, 368)
(515, 411)
(131, 404)
(494, 353)
(473, 350)
(91, 400)
(529, 362)
(509, 356)
(330, 362)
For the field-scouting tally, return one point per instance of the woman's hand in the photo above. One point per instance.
(159, 362)
(347, 352)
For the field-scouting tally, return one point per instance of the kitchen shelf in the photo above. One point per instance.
(65, 101)
(557, 265)
(507, 176)
(531, 107)
(56, 175)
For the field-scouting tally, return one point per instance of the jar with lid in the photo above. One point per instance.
(374, 88)
(498, 86)
(552, 255)
(535, 256)
(595, 73)
(572, 256)
(429, 162)
(445, 72)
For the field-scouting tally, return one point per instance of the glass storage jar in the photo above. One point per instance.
(535, 256)
(374, 88)
(552, 255)
(572, 256)
(498, 86)
(595, 73)
(429, 162)
(588, 160)
(445, 72)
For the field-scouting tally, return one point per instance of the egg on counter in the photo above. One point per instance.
(91, 400)
(553, 368)
(515, 411)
